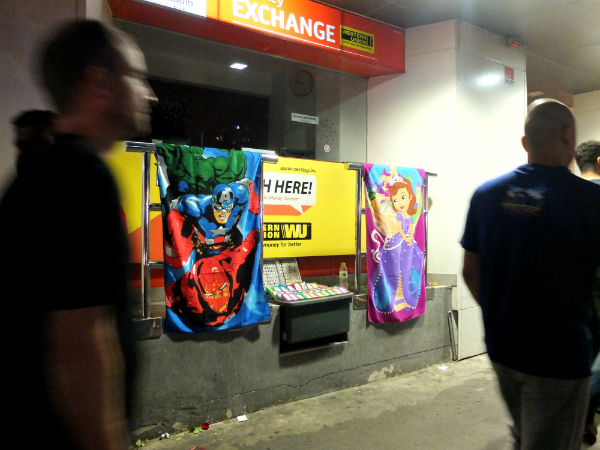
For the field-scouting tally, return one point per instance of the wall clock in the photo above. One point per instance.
(302, 83)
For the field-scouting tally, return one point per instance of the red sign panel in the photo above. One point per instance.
(303, 21)
(301, 30)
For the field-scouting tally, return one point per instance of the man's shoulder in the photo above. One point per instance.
(495, 185)
(76, 160)
(71, 147)
(586, 189)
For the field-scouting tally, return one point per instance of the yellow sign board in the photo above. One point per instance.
(360, 40)
(309, 206)
(309, 209)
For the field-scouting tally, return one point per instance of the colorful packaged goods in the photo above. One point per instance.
(304, 291)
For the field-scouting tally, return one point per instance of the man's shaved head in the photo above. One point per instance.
(549, 130)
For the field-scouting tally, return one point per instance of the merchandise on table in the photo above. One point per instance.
(304, 291)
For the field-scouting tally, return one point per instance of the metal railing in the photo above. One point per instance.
(359, 168)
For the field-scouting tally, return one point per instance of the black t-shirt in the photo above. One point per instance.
(63, 246)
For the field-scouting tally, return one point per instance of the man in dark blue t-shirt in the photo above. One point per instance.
(532, 242)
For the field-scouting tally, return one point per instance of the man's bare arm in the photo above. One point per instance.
(471, 273)
(85, 374)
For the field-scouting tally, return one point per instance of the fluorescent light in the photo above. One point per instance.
(488, 79)
(535, 94)
(239, 66)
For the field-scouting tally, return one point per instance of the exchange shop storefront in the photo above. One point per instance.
(250, 197)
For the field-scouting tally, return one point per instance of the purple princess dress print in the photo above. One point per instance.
(395, 244)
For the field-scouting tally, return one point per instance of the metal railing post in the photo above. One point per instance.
(145, 278)
(359, 168)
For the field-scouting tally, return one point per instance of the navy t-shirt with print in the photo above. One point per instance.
(537, 233)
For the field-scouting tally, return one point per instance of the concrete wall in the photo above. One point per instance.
(191, 379)
(342, 111)
(451, 113)
(22, 24)
(586, 108)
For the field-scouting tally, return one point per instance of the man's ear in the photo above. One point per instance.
(525, 145)
(568, 133)
(98, 83)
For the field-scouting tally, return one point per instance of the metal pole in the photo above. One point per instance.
(358, 167)
(131, 146)
(261, 213)
(145, 234)
(358, 258)
(266, 158)
(426, 214)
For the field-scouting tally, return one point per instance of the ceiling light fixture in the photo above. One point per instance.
(535, 94)
(238, 66)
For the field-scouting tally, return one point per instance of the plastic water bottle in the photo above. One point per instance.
(344, 276)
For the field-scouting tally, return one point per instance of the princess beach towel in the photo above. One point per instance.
(395, 242)
(211, 222)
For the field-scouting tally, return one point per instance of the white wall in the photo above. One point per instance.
(413, 121)
(451, 113)
(98, 10)
(586, 108)
(22, 25)
(491, 117)
(342, 111)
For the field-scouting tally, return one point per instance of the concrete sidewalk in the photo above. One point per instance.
(456, 408)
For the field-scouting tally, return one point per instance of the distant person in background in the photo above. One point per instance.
(64, 253)
(34, 131)
(587, 157)
(532, 243)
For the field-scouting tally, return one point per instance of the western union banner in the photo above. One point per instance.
(349, 37)
(309, 209)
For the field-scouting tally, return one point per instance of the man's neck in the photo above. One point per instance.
(590, 175)
(549, 162)
(88, 128)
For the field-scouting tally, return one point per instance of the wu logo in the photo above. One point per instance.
(287, 231)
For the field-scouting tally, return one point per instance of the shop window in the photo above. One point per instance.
(195, 115)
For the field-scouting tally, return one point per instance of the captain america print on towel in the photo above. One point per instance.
(395, 242)
(212, 246)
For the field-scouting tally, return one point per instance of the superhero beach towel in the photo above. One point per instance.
(395, 242)
(211, 223)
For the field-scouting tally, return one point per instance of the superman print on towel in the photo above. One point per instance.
(211, 239)
(395, 242)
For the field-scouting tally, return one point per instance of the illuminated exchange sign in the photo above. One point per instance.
(197, 7)
(331, 37)
(301, 20)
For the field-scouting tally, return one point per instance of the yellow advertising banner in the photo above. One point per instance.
(309, 206)
(309, 209)
(127, 170)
